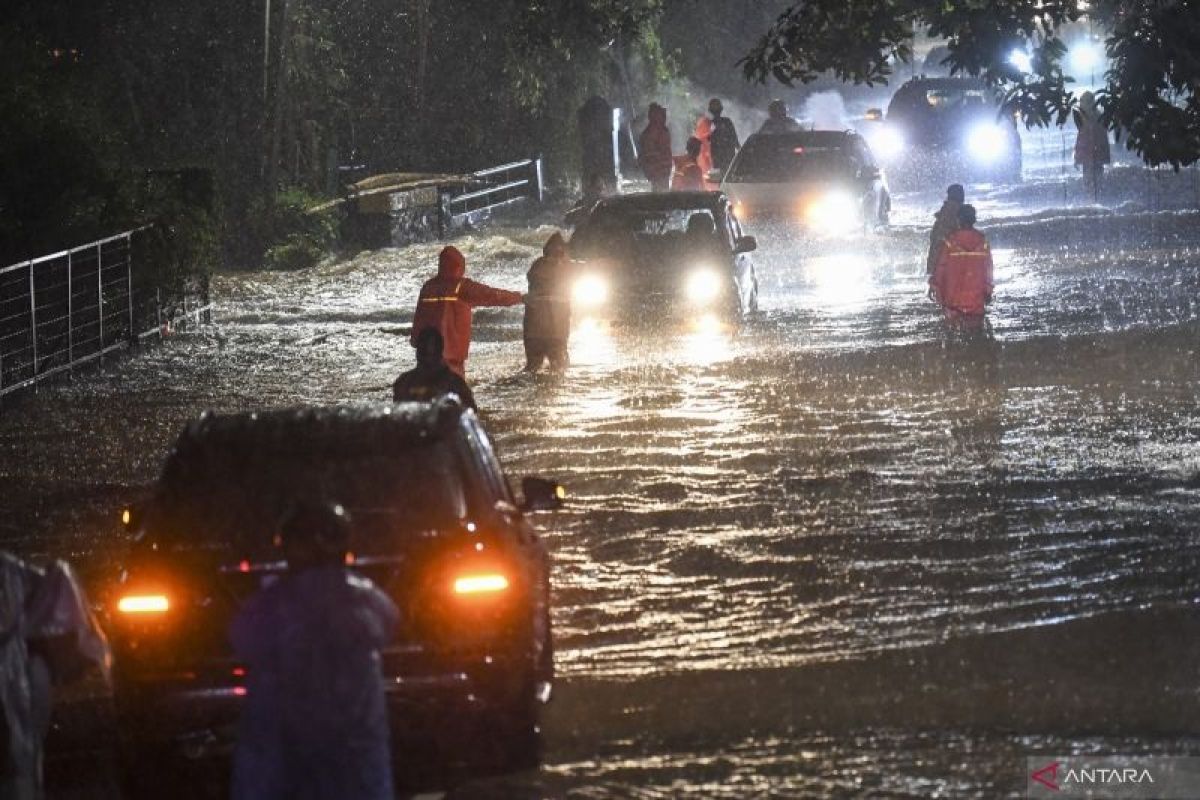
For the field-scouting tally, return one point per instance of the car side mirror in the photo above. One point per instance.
(875, 114)
(745, 244)
(715, 175)
(541, 495)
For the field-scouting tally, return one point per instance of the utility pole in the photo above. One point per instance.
(276, 105)
(266, 49)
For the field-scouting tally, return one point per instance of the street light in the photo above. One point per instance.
(1084, 57)
(1021, 60)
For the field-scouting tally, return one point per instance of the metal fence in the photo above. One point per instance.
(65, 309)
(493, 187)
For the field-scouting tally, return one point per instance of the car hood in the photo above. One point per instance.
(785, 196)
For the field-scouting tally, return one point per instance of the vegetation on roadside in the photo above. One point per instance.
(286, 108)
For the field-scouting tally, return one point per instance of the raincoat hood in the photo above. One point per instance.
(657, 115)
(555, 243)
(451, 263)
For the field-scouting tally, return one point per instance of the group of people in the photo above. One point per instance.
(712, 146)
(959, 263)
(441, 328)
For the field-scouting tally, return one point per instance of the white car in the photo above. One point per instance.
(826, 181)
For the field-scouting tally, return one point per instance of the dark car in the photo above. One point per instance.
(682, 255)
(434, 524)
(946, 127)
(826, 181)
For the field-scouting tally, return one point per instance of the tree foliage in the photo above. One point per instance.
(1149, 97)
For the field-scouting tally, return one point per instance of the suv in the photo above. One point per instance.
(434, 524)
(947, 127)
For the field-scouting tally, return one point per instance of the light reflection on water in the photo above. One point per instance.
(841, 477)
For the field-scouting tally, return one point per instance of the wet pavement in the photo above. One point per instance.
(843, 552)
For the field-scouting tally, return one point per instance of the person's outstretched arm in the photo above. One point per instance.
(474, 293)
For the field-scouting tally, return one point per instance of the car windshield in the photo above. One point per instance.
(774, 159)
(649, 237)
(234, 501)
(955, 98)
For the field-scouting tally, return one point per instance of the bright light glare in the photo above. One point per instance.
(1084, 57)
(478, 584)
(839, 279)
(143, 604)
(888, 142)
(987, 142)
(1021, 60)
(590, 291)
(702, 287)
(834, 213)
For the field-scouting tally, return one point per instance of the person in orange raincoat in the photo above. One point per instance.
(688, 175)
(962, 280)
(704, 130)
(446, 303)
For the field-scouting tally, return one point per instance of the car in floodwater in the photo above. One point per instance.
(433, 523)
(946, 129)
(680, 257)
(828, 182)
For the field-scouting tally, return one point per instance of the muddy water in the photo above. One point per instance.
(841, 484)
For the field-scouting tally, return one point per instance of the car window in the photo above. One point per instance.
(646, 238)
(776, 159)
(487, 463)
(235, 501)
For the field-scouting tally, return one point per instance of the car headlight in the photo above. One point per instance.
(987, 142)
(702, 286)
(887, 142)
(589, 291)
(835, 212)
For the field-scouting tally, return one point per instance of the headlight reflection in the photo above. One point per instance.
(834, 213)
(703, 286)
(589, 291)
(987, 142)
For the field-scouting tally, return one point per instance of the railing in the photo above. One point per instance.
(493, 187)
(63, 310)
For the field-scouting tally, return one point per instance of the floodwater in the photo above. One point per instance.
(843, 552)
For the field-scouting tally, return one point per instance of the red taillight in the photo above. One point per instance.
(480, 583)
(144, 604)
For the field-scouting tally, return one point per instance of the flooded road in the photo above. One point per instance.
(844, 552)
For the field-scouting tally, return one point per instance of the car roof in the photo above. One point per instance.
(372, 429)
(664, 201)
(809, 138)
(945, 83)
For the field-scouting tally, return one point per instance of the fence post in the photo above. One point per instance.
(100, 295)
(158, 310)
(537, 174)
(443, 213)
(129, 285)
(70, 314)
(33, 319)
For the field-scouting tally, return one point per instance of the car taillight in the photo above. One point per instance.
(144, 604)
(480, 584)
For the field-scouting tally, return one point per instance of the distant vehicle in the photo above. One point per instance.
(827, 181)
(945, 128)
(434, 524)
(636, 254)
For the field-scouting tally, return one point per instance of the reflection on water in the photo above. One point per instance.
(841, 477)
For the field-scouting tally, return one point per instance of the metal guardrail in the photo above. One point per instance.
(65, 309)
(493, 187)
